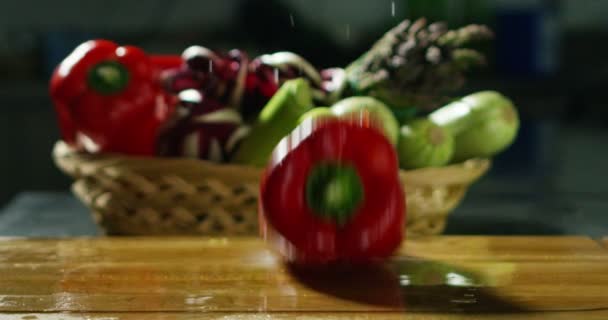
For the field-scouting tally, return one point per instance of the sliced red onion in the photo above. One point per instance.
(334, 83)
(237, 136)
(190, 96)
(199, 58)
(219, 116)
(285, 59)
(238, 90)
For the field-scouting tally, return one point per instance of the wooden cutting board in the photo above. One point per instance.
(239, 278)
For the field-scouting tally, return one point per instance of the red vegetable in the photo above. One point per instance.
(201, 128)
(219, 76)
(166, 62)
(108, 98)
(332, 193)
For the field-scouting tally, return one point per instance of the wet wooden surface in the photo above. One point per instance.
(239, 278)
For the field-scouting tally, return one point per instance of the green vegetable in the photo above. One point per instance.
(318, 112)
(417, 64)
(424, 144)
(378, 111)
(277, 119)
(483, 124)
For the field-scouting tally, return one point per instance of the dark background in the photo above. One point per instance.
(550, 57)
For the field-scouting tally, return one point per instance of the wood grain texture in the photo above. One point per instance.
(590, 315)
(224, 278)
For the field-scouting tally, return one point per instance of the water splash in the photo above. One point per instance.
(348, 32)
(291, 19)
(393, 8)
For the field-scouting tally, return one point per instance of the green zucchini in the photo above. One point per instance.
(380, 112)
(424, 144)
(317, 113)
(483, 124)
(278, 118)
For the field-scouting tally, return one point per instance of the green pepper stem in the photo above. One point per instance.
(334, 192)
(108, 77)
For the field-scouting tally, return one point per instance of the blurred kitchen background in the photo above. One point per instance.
(550, 57)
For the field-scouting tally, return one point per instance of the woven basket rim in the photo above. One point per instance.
(77, 164)
(138, 195)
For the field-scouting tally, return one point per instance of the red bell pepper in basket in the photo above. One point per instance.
(109, 99)
(332, 193)
(167, 62)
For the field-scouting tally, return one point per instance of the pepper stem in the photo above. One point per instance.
(108, 77)
(334, 191)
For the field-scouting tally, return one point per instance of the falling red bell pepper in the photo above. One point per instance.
(331, 193)
(108, 98)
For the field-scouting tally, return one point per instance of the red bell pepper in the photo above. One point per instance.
(109, 99)
(331, 193)
(167, 62)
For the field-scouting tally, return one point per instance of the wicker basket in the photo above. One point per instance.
(160, 196)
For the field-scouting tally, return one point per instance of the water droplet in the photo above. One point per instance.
(393, 8)
(464, 301)
(197, 300)
(276, 75)
(404, 280)
(293, 22)
(458, 280)
(348, 32)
